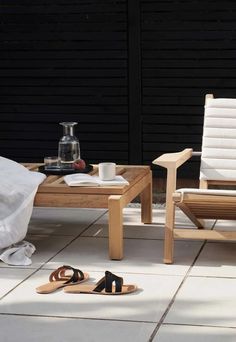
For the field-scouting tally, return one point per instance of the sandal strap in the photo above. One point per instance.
(60, 274)
(106, 283)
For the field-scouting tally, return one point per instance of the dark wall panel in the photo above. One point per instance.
(188, 50)
(63, 61)
(133, 73)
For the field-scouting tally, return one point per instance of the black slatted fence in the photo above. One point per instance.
(64, 61)
(132, 73)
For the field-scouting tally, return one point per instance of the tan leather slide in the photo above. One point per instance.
(59, 279)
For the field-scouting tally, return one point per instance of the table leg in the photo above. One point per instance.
(115, 227)
(146, 203)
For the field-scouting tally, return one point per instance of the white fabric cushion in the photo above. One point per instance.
(218, 161)
(221, 103)
(207, 192)
(18, 187)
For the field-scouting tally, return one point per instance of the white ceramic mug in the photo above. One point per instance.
(107, 171)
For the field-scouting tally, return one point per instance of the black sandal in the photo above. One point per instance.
(104, 286)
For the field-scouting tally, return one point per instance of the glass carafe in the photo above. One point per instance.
(68, 148)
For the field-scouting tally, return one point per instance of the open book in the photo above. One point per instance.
(83, 179)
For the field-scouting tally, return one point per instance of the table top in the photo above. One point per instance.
(55, 183)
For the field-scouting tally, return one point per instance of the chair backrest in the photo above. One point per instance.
(218, 161)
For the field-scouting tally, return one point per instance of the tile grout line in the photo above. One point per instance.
(175, 295)
(177, 291)
(73, 239)
(168, 307)
(40, 267)
(201, 325)
(76, 318)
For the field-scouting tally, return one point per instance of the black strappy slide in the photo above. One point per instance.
(110, 284)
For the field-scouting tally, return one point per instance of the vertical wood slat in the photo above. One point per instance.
(134, 72)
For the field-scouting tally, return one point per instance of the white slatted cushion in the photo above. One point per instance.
(218, 160)
(221, 103)
(207, 192)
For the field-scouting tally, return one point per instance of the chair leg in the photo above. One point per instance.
(169, 234)
(168, 246)
(170, 216)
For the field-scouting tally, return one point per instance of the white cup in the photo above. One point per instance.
(107, 171)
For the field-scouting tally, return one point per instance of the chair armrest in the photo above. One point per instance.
(171, 161)
(174, 160)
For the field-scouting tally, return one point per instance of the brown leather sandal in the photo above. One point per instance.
(59, 279)
(104, 286)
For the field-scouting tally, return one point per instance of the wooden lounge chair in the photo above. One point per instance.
(218, 166)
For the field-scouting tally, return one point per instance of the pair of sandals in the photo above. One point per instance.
(110, 284)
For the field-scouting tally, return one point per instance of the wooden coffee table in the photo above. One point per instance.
(53, 192)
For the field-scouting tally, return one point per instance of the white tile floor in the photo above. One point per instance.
(192, 300)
